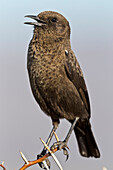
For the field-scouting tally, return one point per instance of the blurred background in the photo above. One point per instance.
(21, 120)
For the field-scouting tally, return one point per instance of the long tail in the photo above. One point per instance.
(86, 142)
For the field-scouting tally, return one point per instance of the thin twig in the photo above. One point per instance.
(45, 164)
(52, 154)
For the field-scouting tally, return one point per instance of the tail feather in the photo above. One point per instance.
(86, 142)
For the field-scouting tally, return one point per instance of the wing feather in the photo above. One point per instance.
(75, 75)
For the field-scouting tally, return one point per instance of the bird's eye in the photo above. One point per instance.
(54, 19)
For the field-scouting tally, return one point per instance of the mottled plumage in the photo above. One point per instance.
(56, 78)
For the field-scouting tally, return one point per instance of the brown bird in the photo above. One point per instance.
(57, 80)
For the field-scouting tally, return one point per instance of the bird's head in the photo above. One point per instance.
(51, 23)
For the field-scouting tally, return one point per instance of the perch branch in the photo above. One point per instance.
(42, 159)
(31, 163)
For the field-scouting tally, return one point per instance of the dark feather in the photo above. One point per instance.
(85, 139)
(86, 142)
(74, 73)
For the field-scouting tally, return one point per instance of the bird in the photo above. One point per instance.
(57, 81)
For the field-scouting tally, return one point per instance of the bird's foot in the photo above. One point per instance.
(46, 163)
(61, 145)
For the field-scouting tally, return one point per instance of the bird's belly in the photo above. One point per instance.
(56, 95)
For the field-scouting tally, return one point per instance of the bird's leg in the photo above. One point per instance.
(70, 130)
(49, 139)
(47, 162)
(63, 144)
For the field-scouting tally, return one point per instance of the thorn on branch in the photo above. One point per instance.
(52, 154)
(2, 165)
(104, 168)
(45, 164)
(24, 158)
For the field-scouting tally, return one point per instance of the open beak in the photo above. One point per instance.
(38, 23)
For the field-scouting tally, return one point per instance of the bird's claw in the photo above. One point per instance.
(41, 164)
(66, 153)
(61, 145)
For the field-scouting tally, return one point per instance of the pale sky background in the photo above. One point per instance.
(21, 120)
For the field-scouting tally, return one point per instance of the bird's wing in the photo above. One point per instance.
(75, 75)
